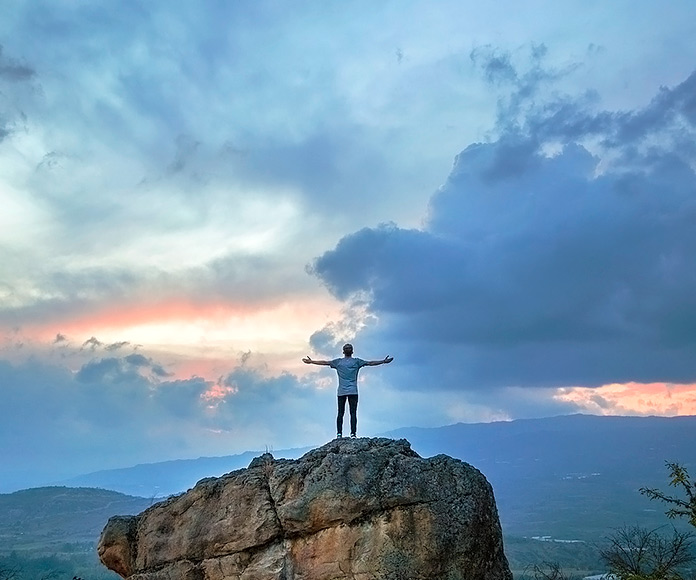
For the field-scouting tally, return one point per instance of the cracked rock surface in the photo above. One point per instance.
(358, 509)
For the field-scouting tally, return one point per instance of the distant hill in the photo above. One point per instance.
(568, 481)
(53, 519)
(568, 477)
(157, 480)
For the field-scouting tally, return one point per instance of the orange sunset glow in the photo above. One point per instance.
(184, 323)
(204, 340)
(181, 322)
(667, 399)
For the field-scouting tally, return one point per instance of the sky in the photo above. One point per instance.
(194, 196)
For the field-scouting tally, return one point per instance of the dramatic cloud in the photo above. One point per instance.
(167, 171)
(118, 410)
(541, 262)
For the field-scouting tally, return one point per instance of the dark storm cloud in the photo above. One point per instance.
(544, 270)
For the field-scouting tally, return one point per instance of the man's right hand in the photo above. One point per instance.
(307, 360)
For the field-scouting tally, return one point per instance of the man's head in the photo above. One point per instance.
(348, 349)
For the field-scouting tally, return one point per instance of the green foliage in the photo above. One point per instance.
(679, 478)
(50, 520)
(635, 553)
(50, 533)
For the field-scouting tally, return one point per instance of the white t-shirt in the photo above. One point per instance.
(347, 368)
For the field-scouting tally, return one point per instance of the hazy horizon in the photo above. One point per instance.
(285, 452)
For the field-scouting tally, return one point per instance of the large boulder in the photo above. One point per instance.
(359, 509)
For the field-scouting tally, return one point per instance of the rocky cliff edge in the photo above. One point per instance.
(358, 509)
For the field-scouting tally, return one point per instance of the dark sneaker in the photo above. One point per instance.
(338, 435)
(353, 435)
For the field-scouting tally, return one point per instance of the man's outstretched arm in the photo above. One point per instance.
(386, 360)
(308, 361)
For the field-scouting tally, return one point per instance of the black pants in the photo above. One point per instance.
(353, 404)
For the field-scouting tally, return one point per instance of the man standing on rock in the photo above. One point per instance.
(347, 369)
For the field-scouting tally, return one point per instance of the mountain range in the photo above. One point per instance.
(573, 477)
(570, 477)
(562, 485)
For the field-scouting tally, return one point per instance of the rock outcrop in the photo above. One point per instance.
(359, 509)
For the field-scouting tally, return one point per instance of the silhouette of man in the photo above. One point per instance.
(347, 369)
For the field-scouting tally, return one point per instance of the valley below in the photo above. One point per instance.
(562, 485)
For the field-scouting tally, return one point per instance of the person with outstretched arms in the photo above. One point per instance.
(347, 368)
